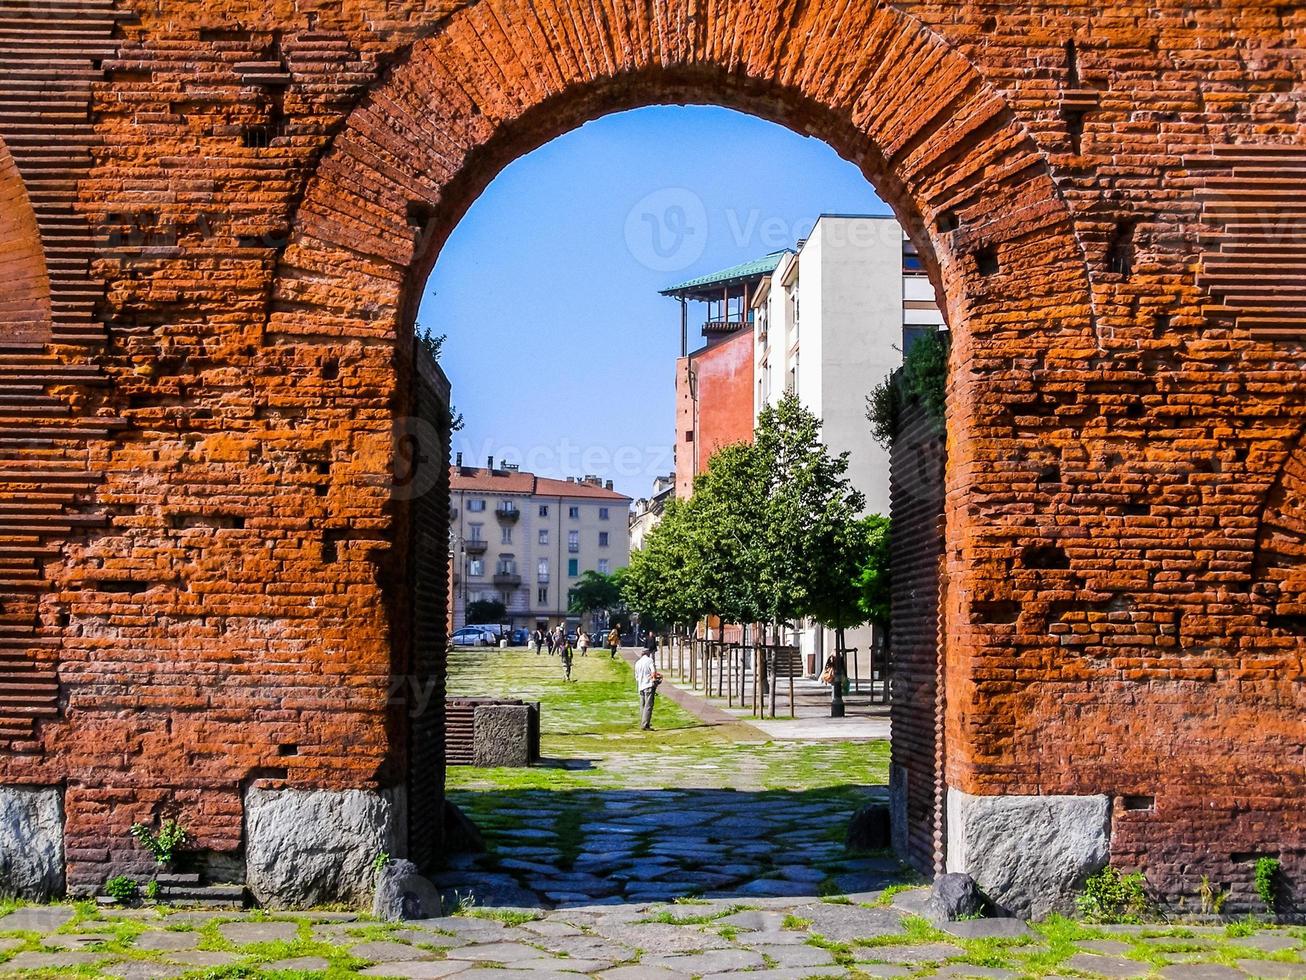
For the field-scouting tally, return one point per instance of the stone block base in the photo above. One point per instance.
(503, 735)
(31, 842)
(311, 847)
(1030, 855)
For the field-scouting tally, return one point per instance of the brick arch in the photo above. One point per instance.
(25, 307)
(499, 79)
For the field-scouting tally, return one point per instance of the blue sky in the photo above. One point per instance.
(560, 350)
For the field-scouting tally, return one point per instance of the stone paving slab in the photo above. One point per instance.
(909, 955)
(1108, 966)
(37, 919)
(245, 933)
(51, 961)
(163, 941)
(388, 952)
(711, 961)
(417, 969)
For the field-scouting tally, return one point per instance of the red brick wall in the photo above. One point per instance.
(244, 208)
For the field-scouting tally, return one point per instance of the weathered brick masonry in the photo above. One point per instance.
(233, 206)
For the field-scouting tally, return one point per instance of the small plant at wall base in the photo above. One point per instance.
(152, 889)
(162, 844)
(1212, 897)
(1267, 881)
(1110, 898)
(122, 889)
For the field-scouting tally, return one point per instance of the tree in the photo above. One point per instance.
(727, 517)
(663, 582)
(594, 591)
(812, 547)
(486, 611)
(874, 580)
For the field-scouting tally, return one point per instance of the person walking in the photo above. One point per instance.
(548, 638)
(564, 650)
(651, 645)
(614, 641)
(646, 681)
(583, 642)
(537, 641)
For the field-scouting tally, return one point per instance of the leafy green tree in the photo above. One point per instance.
(486, 611)
(727, 518)
(594, 592)
(812, 547)
(874, 580)
(662, 583)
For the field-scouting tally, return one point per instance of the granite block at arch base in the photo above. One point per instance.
(313, 847)
(1030, 855)
(31, 843)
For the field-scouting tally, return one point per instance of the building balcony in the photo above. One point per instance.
(507, 580)
(475, 547)
(723, 328)
(542, 579)
(509, 515)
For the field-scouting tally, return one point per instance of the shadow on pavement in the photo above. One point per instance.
(594, 846)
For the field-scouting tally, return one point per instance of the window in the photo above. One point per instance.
(544, 510)
(474, 532)
(573, 541)
(506, 566)
(542, 597)
(603, 539)
(603, 566)
(573, 513)
(476, 568)
(542, 570)
(507, 536)
(689, 435)
(603, 513)
(544, 535)
(573, 567)
(476, 505)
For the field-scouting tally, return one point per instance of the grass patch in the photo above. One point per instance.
(795, 922)
(511, 917)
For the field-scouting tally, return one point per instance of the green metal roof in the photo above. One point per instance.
(736, 273)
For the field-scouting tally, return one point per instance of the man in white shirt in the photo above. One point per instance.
(646, 681)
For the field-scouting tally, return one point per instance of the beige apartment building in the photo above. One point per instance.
(526, 540)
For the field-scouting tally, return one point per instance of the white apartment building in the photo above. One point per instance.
(832, 321)
(526, 540)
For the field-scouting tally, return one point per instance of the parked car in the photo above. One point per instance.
(473, 636)
(520, 637)
(494, 629)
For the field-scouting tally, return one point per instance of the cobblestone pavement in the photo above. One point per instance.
(861, 935)
(692, 809)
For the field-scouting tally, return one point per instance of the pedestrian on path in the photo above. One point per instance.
(646, 680)
(614, 641)
(537, 641)
(583, 642)
(651, 646)
(552, 638)
(564, 651)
